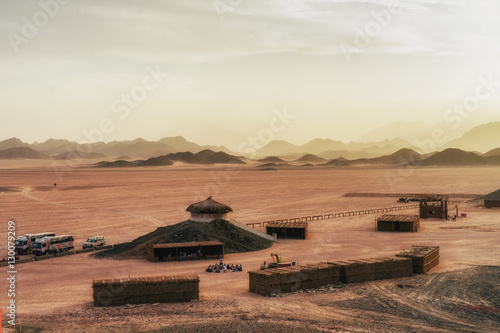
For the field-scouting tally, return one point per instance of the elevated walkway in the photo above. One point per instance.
(252, 230)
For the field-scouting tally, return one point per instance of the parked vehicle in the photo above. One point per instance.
(54, 244)
(24, 244)
(94, 242)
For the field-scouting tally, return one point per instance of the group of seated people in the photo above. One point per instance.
(217, 268)
(186, 254)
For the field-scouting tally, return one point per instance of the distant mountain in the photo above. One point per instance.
(12, 143)
(411, 131)
(180, 143)
(402, 156)
(317, 146)
(22, 153)
(337, 162)
(55, 146)
(399, 129)
(311, 158)
(456, 157)
(273, 159)
(379, 148)
(76, 155)
(481, 138)
(138, 148)
(330, 154)
(276, 148)
(222, 157)
(493, 152)
(292, 157)
(321, 146)
(155, 161)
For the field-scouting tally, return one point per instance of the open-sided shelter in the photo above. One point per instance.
(186, 251)
(288, 229)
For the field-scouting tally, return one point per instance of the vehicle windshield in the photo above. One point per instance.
(37, 245)
(19, 242)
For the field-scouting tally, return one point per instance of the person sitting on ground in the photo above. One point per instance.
(217, 270)
(209, 269)
(240, 268)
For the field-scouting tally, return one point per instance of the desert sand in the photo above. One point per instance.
(123, 204)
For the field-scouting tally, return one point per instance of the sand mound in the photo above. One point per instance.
(274, 159)
(203, 157)
(235, 239)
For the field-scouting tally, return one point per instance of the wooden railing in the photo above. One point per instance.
(334, 215)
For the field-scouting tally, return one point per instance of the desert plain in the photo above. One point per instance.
(461, 294)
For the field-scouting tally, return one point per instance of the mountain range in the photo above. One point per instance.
(138, 148)
(403, 157)
(481, 139)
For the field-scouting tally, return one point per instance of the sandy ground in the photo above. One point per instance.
(123, 204)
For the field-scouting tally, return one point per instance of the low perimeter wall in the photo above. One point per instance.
(290, 279)
(159, 289)
(362, 270)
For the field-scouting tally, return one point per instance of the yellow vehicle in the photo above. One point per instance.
(278, 262)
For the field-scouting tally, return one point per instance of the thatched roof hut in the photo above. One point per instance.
(208, 210)
(492, 200)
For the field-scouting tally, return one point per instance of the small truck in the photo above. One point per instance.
(94, 242)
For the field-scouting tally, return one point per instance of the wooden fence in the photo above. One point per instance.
(334, 215)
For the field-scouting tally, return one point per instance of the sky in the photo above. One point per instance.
(219, 71)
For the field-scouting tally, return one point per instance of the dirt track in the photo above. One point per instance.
(124, 204)
(428, 303)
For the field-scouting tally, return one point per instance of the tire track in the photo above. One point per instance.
(425, 309)
(26, 193)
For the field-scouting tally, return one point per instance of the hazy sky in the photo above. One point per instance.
(218, 71)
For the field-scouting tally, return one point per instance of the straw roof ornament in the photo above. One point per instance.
(209, 206)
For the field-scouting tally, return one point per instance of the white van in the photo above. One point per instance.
(94, 242)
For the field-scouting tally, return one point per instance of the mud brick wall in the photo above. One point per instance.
(362, 270)
(290, 279)
(424, 258)
(161, 289)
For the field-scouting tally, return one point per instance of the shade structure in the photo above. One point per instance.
(401, 223)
